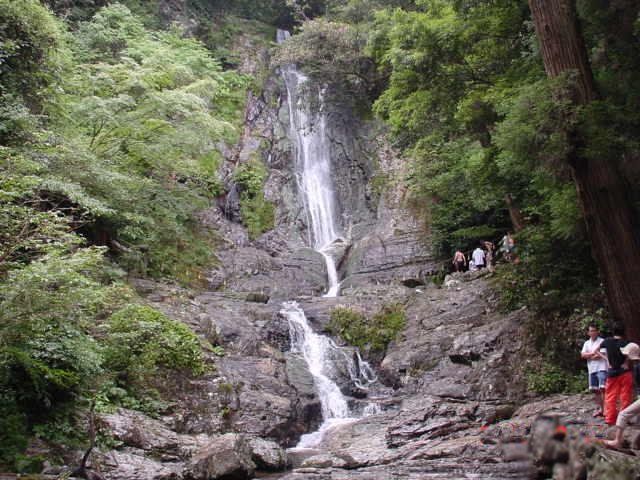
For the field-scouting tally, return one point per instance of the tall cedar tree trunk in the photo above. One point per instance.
(603, 192)
(514, 213)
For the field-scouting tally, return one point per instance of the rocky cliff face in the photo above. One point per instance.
(382, 241)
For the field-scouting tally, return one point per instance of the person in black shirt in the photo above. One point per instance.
(619, 386)
(632, 352)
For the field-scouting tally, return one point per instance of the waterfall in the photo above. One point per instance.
(313, 164)
(315, 349)
(313, 168)
(320, 352)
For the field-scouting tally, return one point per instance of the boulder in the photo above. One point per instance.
(386, 257)
(136, 430)
(228, 457)
(305, 272)
(135, 465)
(267, 455)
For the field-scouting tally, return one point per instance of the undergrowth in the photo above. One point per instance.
(369, 334)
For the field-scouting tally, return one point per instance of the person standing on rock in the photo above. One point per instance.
(478, 257)
(507, 245)
(596, 366)
(619, 386)
(459, 261)
(632, 353)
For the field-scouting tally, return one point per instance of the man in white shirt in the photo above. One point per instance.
(478, 257)
(596, 365)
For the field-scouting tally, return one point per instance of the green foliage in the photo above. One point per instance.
(47, 355)
(469, 102)
(372, 334)
(332, 53)
(222, 33)
(142, 341)
(31, 51)
(136, 159)
(108, 147)
(13, 429)
(27, 232)
(350, 325)
(250, 177)
(549, 378)
(144, 399)
(552, 275)
(132, 158)
(387, 324)
(272, 12)
(258, 214)
(110, 32)
(217, 350)
(17, 123)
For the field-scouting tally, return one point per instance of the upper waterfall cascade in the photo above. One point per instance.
(313, 165)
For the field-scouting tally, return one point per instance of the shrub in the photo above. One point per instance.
(141, 341)
(550, 378)
(387, 324)
(47, 310)
(30, 49)
(13, 429)
(250, 177)
(350, 325)
(258, 214)
(373, 334)
(49, 359)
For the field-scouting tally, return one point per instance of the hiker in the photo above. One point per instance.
(619, 385)
(632, 353)
(478, 257)
(489, 248)
(507, 246)
(596, 366)
(459, 261)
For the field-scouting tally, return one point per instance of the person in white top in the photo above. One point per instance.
(596, 365)
(478, 257)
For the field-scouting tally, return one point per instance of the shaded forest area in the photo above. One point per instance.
(110, 122)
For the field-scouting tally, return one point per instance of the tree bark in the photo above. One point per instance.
(562, 46)
(604, 194)
(514, 213)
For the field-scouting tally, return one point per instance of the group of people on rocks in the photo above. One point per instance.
(612, 364)
(484, 255)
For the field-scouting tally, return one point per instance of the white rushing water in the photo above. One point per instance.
(320, 352)
(316, 350)
(313, 164)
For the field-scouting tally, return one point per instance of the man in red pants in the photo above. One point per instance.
(619, 386)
